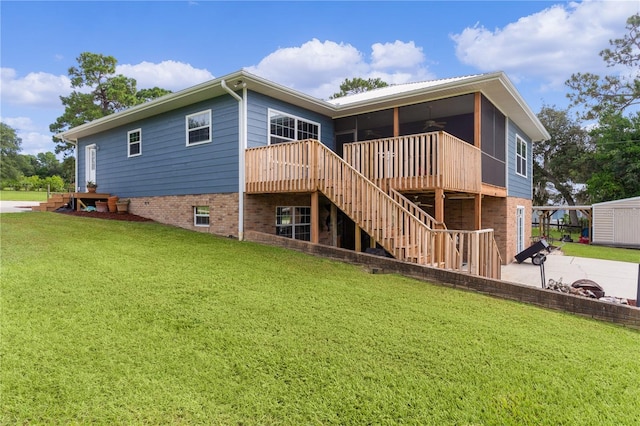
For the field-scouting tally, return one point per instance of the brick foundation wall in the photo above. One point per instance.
(500, 214)
(178, 211)
(494, 216)
(459, 214)
(512, 204)
(260, 212)
(605, 311)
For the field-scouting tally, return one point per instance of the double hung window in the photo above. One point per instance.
(134, 143)
(198, 127)
(294, 222)
(521, 156)
(285, 128)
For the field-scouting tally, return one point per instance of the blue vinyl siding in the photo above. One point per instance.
(258, 126)
(167, 166)
(517, 185)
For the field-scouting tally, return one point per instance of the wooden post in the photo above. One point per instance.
(439, 205)
(478, 211)
(358, 238)
(477, 120)
(315, 218)
(334, 225)
(638, 289)
(396, 122)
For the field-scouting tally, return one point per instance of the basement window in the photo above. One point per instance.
(294, 222)
(201, 216)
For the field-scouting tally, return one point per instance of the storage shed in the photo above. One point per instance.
(617, 223)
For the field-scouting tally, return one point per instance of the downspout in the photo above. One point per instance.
(75, 154)
(242, 144)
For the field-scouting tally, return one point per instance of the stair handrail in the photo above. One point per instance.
(377, 213)
(412, 207)
(303, 166)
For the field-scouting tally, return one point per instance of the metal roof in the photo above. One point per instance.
(392, 90)
(495, 86)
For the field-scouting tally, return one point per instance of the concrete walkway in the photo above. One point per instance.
(619, 279)
(17, 206)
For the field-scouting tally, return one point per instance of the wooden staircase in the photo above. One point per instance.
(394, 222)
(54, 202)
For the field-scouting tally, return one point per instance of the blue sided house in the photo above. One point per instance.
(437, 173)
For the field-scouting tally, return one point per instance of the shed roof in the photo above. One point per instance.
(625, 201)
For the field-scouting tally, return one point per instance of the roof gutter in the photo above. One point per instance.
(242, 146)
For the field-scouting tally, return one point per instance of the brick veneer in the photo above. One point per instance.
(177, 210)
(498, 214)
(260, 212)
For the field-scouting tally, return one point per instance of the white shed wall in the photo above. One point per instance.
(617, 222)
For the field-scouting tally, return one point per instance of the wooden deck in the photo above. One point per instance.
(83, 199)
(418, 162)
(394, 222)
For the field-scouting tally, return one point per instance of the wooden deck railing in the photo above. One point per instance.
(307, 166)
(415, 162)
(476, 252)
(281, 167)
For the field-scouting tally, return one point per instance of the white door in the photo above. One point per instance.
(90, 163)
(519, 229)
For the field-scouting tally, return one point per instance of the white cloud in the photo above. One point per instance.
(23, 124)
(36, 88)
(397, 55)
(312, 67)
(171, 75)
(35, 138)
(553, 43)
(35, 142)
(317, 68)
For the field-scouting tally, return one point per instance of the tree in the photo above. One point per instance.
(68, 170)
(48, 165)
(562, 161)
(28, 164)
(613, 93)
(101, 92)
(9, 149)
(358, 85)
(146, 95)
(616, 160)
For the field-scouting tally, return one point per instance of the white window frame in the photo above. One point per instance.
(91, 162)
(297, 119)
(297, 220)
(201, 215)
(520, 224)
(188, 130)
(521, 161)
(129, 143)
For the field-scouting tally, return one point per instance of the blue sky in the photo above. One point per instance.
(309, 46)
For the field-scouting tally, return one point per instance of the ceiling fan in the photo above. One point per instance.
(431, 124)
(372, 134)
(417, 202)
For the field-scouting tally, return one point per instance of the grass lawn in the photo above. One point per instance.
(593, 252)
(23, 195)
(111, 322)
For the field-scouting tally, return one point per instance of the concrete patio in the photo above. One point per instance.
(619, 279)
